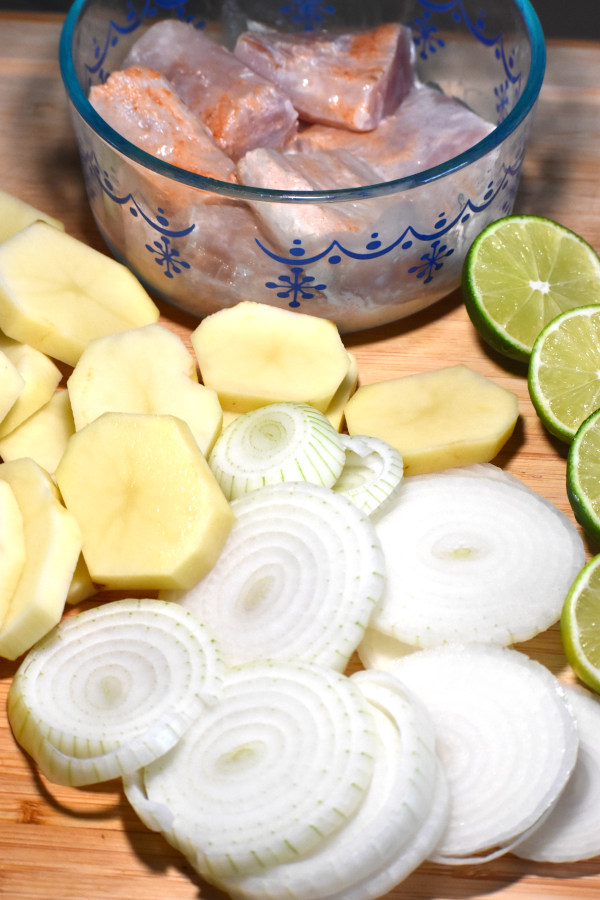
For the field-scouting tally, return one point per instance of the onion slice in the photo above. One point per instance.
(473, 558)
(506, 737)
(378, 650)
(112, 688)
(571, 833)
(277, 766)
(377, 848)
(298, 578)
(372, 472)
(278, 442)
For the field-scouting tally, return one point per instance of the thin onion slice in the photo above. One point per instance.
(298, 578)
(112, 688)
(473, 559)
(506, 737)
(278, 765)
(378, 650)
(571, 833)
(481, 470)
(275, 443)
(382, 843)
(372, 472)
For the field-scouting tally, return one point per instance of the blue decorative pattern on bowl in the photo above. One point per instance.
(201, 256)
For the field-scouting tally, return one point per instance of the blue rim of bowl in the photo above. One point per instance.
(501, 132)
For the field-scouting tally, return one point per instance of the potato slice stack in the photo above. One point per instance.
(106, 484)
(119, 463)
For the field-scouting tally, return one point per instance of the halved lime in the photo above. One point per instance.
(583, 475)
(564, 370)
(580, 624)
(520, 273)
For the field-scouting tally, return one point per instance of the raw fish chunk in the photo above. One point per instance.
(351, 79)
(284, 222)
(222, 249)
(428, 128)
(327, 170)
(141, 105)
(241, 109)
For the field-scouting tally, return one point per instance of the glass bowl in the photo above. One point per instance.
(200, 244)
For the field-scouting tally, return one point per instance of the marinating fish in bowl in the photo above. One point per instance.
(337, 160)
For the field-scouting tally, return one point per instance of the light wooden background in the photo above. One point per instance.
(60, 844)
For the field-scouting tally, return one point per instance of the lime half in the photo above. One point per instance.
(520, 273)
(583, 475)
(564, 370)
(580, 624)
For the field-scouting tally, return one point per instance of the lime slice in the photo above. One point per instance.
(564, 370)
(583, 475)
(520, 273)
(579, 624)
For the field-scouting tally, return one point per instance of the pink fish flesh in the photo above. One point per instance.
(352, 79)
(241, 108)
(427, 129)
(312, 221)
(140, 104)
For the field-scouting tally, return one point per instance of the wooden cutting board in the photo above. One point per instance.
(66, 844)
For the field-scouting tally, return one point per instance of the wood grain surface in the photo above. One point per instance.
(67, 844)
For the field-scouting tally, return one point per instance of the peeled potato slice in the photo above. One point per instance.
(52, 548)
(82, 587)
(252, 354)
(335, 410)
(11, 385)
(144, 370)
(57, 293)
(43, 436)
(448, 417)
(16, 214)
(12, 546)
(40, 379)
(151, 513)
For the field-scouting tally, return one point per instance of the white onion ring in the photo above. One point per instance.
(506, 737)
(110, 689)
(278, 442)
(376, 848)
(279, 764)
(570, 833)
(372, 472)
(298, 578)
(473, 559)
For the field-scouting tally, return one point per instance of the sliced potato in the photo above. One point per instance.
(82, 587)
(447, 417)
(44, 435)
(52, 547)
(335, 410)
(144, 370)
(12, 546)
(12, 385)
(16, 214)
(40, 375)
(151, 512)
(57, 293)
(252, 354)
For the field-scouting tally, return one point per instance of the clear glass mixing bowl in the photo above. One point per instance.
(198, 243)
